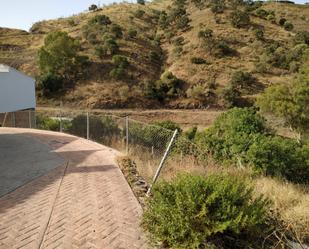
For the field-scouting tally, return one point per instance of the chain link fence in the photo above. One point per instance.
(145, 143)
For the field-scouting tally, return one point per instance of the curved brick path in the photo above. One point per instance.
(85, 203)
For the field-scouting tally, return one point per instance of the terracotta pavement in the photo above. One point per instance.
(84, 203)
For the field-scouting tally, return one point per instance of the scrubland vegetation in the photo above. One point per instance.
(247, 186)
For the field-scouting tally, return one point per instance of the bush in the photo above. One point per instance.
(223, 49)
(261, 13)
(102, 129)
(217, 6)
(139, 13)
(191, 210)
(232, 134)
(50, 84)
(242, 79)
(302, 37)
(154, 56)
(182, 22)
(230, 97)
(116, 30)
(288, 26)
(277, 156)
(47, 123)
(169, 86)
(110, 45)
(259, 34)
(198, 60)
(132, 33)
(120, 61)
(101, 20)
(282, 21)
(239, 19)
(142, 2)
(93, 7)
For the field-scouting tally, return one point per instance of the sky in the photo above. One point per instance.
(22, 14)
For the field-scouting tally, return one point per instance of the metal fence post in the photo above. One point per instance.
(127, 135)
(155, 178)
(30, 121)
(88, 125)
(60, 118)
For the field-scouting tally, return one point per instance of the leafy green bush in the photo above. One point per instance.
(232, 134)
(261, 13)
(93, 7)
(240, 19)
(154, 56)
(217, 6)
(282, 21)
(277, 156)
(288, 26)
(230, 96)
(169, 86)
(101, 129)
(110, 45)
(302, 37)
(116, 30)
(101, 20)
(191, 211)
(223, 49)
(142, 2)
(47, 123)
(50, 84)
(242, 79)
(132, 33)
(259, 34)
(120, 61)
(139, 13)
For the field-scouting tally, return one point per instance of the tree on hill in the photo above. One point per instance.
(142, 2)
(93, 7)
(290, 101)
(59, 57)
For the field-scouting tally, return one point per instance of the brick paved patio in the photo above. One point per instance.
(84, 203)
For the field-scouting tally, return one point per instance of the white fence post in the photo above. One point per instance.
(155, 178)
(127, 135)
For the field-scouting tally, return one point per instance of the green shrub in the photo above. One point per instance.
(223, 49)
(47, 123)
(132, 33)
(154, 56)
(282, 21)
(142, 2)
(302, 37)
(50, 84)
(139, 13)
(242, 79)
(240, 19)
(261, 13)
(288, 26)
(116, 30)
(259, 34)
(198, 60)
(169, 125)
(232, 134)
(120, 61)
(230, 97)
(191, 210)
(101, 20)
(277, 156)
(183, 22)
(110, 45)
(169, 86)
(117, 73)
(217, 6)
(93, 7)
(101, 129)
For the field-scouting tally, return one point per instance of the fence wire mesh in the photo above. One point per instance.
(145, 143)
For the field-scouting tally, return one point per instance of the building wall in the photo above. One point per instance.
(17, 91)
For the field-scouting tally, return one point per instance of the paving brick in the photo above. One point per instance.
(85, 203)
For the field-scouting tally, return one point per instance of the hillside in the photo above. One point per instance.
(203, 67)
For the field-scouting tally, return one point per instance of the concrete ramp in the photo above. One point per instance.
(23, 159)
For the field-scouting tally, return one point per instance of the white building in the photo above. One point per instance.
(17, 90)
